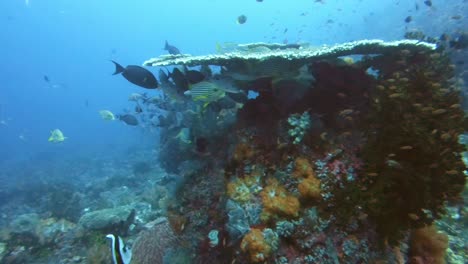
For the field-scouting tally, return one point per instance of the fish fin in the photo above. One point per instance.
(199, 98)
(166, 46)
(118, 68)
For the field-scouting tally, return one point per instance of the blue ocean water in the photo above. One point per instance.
(73, 43)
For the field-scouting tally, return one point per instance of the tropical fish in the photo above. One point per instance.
(194, 76)
(135, 97)
(226, 47)
(56, 136)
(171, 49)
(179, 79)
(107, 115)
(206, 92)
(121, 254)
(184, 135)
(206, 71)
(163, 76)
(241, 19)
(227, 85)
(137, 75)
(128, 119)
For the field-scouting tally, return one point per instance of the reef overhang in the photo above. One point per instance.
(260, 52)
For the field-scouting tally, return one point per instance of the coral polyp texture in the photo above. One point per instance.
(345, 152)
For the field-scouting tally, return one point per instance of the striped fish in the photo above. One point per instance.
(206, 92)
(120, 253)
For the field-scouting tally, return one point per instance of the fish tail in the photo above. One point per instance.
(118, 68)
(166, 46)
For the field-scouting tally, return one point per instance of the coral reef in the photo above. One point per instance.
(300, 124)
(277, 202)
(152, 245)
(112, 220)
(259, 244)
(351, 48)
(334, 160)
(427, 245)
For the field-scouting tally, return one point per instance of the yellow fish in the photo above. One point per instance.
(107, 115)
(56, 136)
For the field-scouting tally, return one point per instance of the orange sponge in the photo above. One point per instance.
(310, 188)
(277, 201)
(303, 168)
(428, 246)
(255, 245)
(243, 152)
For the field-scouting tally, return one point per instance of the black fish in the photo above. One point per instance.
(46, 78)
(171, 49)
(179, 79)
(163, 77)
(137, 75)
(194, 76)
(128, 119)
(408, 19)
(428, 2)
